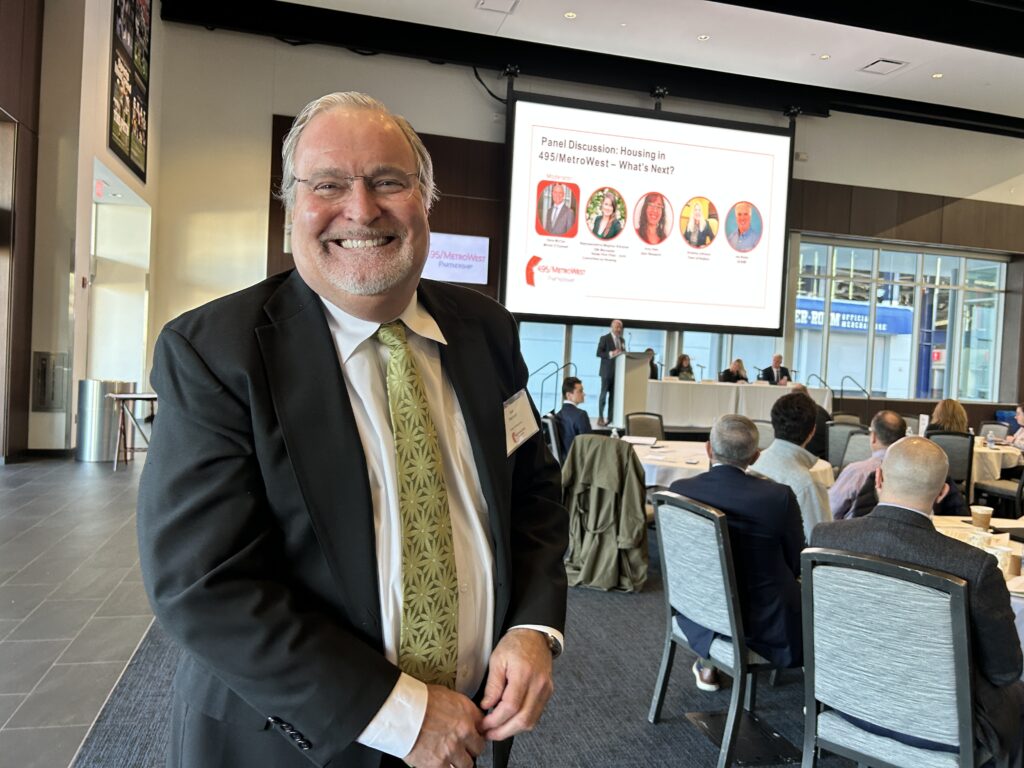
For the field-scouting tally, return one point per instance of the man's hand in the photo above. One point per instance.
(519, 684)
(450, 734)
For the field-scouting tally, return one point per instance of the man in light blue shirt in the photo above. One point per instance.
(886, 428)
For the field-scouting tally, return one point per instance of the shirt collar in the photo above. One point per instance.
(801, 455)
(927, 514)
(351, 331)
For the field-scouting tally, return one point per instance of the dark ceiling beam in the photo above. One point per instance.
(301, 24)
(985, 25)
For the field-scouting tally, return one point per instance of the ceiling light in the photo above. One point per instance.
(622, 24)
(703, 38)
(936, 75)
(824, 57)
(570, 14)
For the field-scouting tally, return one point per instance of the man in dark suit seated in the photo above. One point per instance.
(766, 535)
(776, 373)
(911, 479)
(572, 420)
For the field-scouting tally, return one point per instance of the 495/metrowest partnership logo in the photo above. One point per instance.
(549, 272)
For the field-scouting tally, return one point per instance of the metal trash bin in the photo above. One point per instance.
(97, 418)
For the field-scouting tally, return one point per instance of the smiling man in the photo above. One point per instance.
(329, 522)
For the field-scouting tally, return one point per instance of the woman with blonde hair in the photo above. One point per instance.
(948, 416)
(736, 372)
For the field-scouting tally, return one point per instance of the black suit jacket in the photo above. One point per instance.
(766, 533)
(768, 374)
(572, 421)
(819, 443)
(255, 521)
(902, 534)
(605, 346)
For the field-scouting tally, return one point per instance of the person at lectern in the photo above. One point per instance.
(607, 223)
(652, 225)
(560, 216)
(331, 447)
(736, 372)
(609, 346)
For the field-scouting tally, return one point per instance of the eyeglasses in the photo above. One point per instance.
(391, 184)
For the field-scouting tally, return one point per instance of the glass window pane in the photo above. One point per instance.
(702, 347)
(941, 270)
(588, 364)
(936, 309)
(984, 274)
(897, 266)
(813, 258)
(848, 338)
(894, 341)
(756, 352)
(543, 343)
(978, 351)
(852, 263)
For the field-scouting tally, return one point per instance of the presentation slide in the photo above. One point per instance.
(457, 258)
(646, 219)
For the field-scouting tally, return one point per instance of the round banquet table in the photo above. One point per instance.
(669, 460)
(990, 462)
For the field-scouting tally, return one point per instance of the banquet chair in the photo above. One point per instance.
(838, 435)
(870, 620)
(846, 418)
(999, 429)
(552, 434)
(765, 433)
(959, 448)
(641, 424)
(1009, 494)
(700, 583)
(603, 491)
(858, 448)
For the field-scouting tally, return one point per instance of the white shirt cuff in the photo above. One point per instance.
(396, 726)
(544, 630)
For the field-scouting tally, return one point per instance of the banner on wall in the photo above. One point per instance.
(128, 127)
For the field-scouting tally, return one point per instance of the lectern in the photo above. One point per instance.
(632, 371)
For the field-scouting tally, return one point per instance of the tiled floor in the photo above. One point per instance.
(72, 607)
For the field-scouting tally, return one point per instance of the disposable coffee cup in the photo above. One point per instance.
(981, 517)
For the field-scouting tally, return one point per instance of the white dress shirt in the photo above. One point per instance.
(364, 367)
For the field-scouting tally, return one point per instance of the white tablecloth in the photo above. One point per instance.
(990, 462)
(685, 404)
(671, 460)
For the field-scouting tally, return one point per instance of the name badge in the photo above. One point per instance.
(520, 424)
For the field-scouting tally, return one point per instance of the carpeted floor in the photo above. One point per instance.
(596, 719)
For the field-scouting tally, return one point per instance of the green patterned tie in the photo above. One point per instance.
(428, 646)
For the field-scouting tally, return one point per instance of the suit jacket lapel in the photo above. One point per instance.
(322, 442)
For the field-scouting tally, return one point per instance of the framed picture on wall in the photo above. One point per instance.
(128, 124)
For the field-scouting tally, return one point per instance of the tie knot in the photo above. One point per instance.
(392, 335)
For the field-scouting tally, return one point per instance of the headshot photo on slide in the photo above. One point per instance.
(743, 226)
(606, 213)
(557, 209)
(652, 218)
(698, 221)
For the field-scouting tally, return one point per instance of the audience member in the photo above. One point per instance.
(819, 443)
(886, 428)
(765, 536)
(776, 373)
(1017, 441)
(952, 504)
(788, 461)
(911, 479)
(609, 346)
(572, 420)
(734, 373)
(948, 416)
(683, 370)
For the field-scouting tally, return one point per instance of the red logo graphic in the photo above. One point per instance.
(530, 266)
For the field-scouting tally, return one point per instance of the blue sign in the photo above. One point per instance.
(852, 316)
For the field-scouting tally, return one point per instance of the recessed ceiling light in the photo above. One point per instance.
(570, 14)
(703, 38)
(622, 24)
(824, 57)
(936, 75)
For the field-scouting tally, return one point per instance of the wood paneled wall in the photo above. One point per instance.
(21, 44)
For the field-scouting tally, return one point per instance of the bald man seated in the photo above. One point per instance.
(911, 479)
